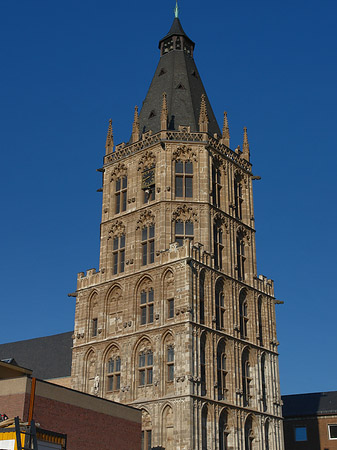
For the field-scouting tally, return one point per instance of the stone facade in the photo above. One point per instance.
(176, 321)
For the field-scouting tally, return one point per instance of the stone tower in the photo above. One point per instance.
(176, 321)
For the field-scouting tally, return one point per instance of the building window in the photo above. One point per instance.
(218, 247)
(300, 434)
(243, 309)
(148, 245)
(118, 254)
(170, 363)
(203, 364)
(114, 374)
(246, 378)
(266, 435)
(263, 382)
(222, 371)
(146, 440)
(223, 431)
(184, 179)
(259, 314)
(183, 230)
(94, 327)
(332, 431)
(238, 199)
(219, 307)
(249, 434)
(120, 194)
(170, 308)
(216, 187)
(240, 256)
(202, 297)
(146, 306)
(148, 184)
(145, 369)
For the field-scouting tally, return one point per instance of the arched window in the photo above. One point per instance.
(169, 291)
(114, 373)
(243, 309)
(120, 194)
(146, 306)
(90, 372)
(183, 230)
(263, 382)
(170, 363)
(118, 254)
(204, 419)
(148, 244)
(93, 316)
(145, 368)
(259, 313)
(222, 370)
(216, 186)
(218, 246)
(146, 431)
(246, 377)
(202, 297)
(203, 364)
(249, 433)
(240, 257)
(238, 198)
(223, 431)
(219, 306)
(184, 179)
(266, 435)
(114, 310)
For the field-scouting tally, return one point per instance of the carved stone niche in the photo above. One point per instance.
(117, 229)
(145, 219)
(147, 160)
(184, 153)
(119, 171)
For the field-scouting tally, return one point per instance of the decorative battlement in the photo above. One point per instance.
(123, 150)
(264, 284)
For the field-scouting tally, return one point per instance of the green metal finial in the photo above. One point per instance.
(176, 10)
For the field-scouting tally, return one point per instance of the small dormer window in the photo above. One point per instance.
(152, 114)
(181, 87)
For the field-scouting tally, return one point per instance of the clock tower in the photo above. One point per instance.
(176, 320)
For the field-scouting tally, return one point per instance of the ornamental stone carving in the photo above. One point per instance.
(147, 160)
(119, 171)
(184, 213)
(146, 218)
(184, 153)
(117, 229)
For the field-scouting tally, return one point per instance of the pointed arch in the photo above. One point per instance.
(168, 428)
(90, 370)
(223, 430)
(220, 310)
(112, 368)
(143, 362)
(168, 352)
(249, 432)
(93, 314)
(243, 311)
(146, 429)
(246, 376)
(202, 296)
(114, 299)
(145, 300)
(222, 369)
(168, 286)
(204, 426)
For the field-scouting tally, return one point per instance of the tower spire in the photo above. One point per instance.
(203, 117)
(176, 10)
(225, 130)
(164, 113)
(245, 146)
(109, 139)
(135, 126)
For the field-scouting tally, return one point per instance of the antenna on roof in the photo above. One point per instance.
(176, 10)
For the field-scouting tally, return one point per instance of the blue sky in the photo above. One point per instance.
(68, 66)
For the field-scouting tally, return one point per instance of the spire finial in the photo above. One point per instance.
(164, 113)
(135, 126)
(109, 139)
(225, 130)
(203, 117)
(176, 10)
(245, 146)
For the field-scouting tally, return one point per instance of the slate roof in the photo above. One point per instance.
(309, 404)
(178, 76)
(176, 30)
(48, 357)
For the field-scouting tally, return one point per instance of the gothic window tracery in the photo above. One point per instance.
(220, 305)
(243, 310)
(218, 245)
(184, 179)
(216, 186)
(238, 197)
(113, 371)
(145, 367)
(146, 305)
(222, 370)
(121, 186)
(240, 256)
(118, 254)
(246, 377)
(148, 234)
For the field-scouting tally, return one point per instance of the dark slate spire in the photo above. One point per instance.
(177, 76)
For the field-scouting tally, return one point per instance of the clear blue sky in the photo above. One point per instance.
(68, 66)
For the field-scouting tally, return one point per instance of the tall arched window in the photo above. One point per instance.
(218, 246)
(223, 431)
(203, 364)
(243, 309)
(238, 198)
(169, 292)
(204, 419)
(93, 315)
(222, 370)
(184, 179)
(219, 306)
(202, 297)
(113, 371)
(146, 431)
(246, 377)
(114, 310)
(240, 257)
(168, 429)
(259, 313)
(216, 186)
(263, 382)
(266, 435)
(120, 194)
(170, 363)
(249, 433)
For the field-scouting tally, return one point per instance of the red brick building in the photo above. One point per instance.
(310, 421)
(89, 422)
